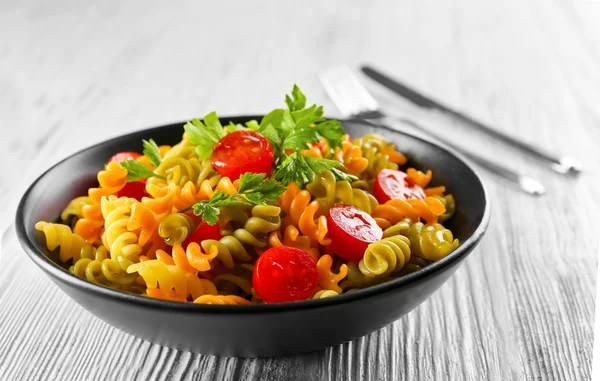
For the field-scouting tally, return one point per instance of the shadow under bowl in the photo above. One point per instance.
(252, 330)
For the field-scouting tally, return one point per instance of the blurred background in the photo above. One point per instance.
(75, 73)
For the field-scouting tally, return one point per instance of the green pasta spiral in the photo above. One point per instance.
(385, 257)
(329, 192)
(229, 247)
(99, 268)
(373, 146)
(175, 228)
(265, 219)
(180, 170)
(431, 242)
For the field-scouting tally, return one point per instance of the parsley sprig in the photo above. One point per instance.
(152, 152)
(137, 171)
(253, 190)
(204, 135)
(293, 129)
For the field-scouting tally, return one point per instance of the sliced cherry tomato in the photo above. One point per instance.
(240, 152)
(395, 185)
(351, 230)
(285, 274)
(122, 156)
(135, 189)
(204, 231)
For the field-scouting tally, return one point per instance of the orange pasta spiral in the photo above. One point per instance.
(221, 299)
(352, 157)
(111, 180)
(189, 193)
(328, 280)
(191, 259)
(418, 177)
(301, 212)
(292, 237)
(395, 210)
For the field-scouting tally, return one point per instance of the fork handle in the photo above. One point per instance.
(525, 183)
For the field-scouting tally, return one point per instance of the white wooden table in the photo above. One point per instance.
(73, 74)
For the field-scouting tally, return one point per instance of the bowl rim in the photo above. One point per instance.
(57, 272)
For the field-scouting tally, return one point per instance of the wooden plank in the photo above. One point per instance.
(521, 307)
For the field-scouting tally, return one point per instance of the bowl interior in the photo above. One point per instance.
(70, 178)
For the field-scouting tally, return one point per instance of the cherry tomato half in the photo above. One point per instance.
(351, 230)
(204, 231)
(285, 274)
(122, 156)
(135, 189)
(395, 185)
(240, 152)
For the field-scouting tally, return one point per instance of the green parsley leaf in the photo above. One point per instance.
(249, 181)
(152, 152)
(272, 136)
(253, 125)
(209, 212)
(270, 189)
(332, 131)
(302, 169)
(297, 101)
(293, 169)
(254, 189)
(204, 136)
(137, 170)
(300, 137)
(343, 176)
(232, 127)
(318, 165)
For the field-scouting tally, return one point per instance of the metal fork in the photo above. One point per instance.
(354, 101)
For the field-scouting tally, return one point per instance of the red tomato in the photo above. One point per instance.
(395, 185)
(122, 156)
(204, 231)
(351, 230)
(240, 152)
(135, 189)
(285, 274)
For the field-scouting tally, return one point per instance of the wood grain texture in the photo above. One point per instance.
(521, 307)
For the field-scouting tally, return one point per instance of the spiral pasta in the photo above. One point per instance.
(431, 242)
(75, 207)
(385, 257)
(221, 299)
(293, 195)
(171, 282)
(301, 212)
(72, 246)
(329, 192)
(122, 243)
(393, 211)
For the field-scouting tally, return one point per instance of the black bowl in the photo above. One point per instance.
(252, 330)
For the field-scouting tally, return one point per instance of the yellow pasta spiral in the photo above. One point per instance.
(172, 280)
(221, 299)
(122, 243)
(75, 207)
(322, 294)
(71, 245)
